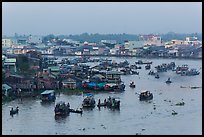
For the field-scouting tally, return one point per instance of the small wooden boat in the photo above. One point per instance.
(151, 72)
(168, 81)
(61, 108)
(48, 96)
(157, 76)
(14, 111)
(145, 95)
(148, 66)
(113, 102)
(114, 87)
(132, 85)
(89, 100)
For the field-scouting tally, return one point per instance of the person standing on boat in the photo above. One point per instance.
(168, 79)
(99, 101)
(68, 105)
(105, 101)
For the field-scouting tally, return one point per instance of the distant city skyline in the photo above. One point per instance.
(65, 18)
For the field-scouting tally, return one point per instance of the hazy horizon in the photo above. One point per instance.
(65, 18)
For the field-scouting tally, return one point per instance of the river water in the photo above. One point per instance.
(134, 116)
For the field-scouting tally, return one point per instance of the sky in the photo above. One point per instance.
(65, 18)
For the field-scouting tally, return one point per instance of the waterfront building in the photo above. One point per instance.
(6, 89)
(173, 43)
(131, 45)
(151, 40)
(10, 63)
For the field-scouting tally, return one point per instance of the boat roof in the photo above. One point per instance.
(143, 91)
(88, 94)
(47, 92)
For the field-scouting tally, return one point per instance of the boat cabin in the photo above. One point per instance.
(48, 95)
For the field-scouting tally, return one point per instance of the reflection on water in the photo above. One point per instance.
(133, 117)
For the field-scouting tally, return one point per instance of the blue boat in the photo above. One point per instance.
(48, 96)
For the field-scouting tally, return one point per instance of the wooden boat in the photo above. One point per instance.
(14, 111)
(192, 72)
(132, 85)
(114, 87)
(148, 66)
(157, 76)
(113, 102)
(89, 100)
(134, 72)
(151, 72)
(48, 96)
(62, 108)
(182, 69)
(168, 81)
(145, 95)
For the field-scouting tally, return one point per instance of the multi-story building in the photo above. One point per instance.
(131, 45)
(7, 43)
(151, 40)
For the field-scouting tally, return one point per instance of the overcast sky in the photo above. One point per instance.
(42, 18)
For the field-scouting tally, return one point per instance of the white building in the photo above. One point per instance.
(6, 43)
(151, 40)
(109, 41)
(134, 45)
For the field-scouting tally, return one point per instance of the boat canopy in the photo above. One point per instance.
(91, 84)
(143, 91)
(47, 92)
(102, 84)
(88, 94)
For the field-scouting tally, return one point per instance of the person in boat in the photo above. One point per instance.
(132, 83)
(109, 98)
(168, 79)
(113, 102)
(17, 108)
(99, 101)
(105, 101)
(68, 105)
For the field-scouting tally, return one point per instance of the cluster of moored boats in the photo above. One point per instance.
(62, 108)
